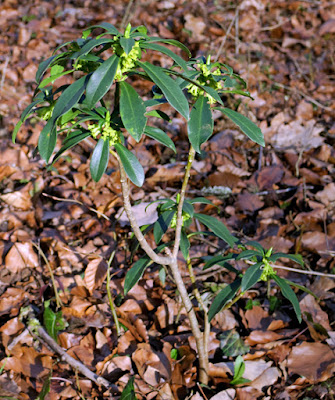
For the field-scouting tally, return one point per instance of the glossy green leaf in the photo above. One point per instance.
(217, 227)
(160, 136)
(247, 254)
(104, 25)
(184, 244)
(162, 224)
(154, 46)
(135, 273)
(289, 294)
(90, 45)
(72, 139)
(52, 321)
(99, 159)
(130, 163)
(158, 114)
(69, 98)
(188, 208)
(101, 80)
(47, 140)
(255, 245)
(171, 41)
(251, 276)
(169, 87)
(44, 65)
(25, 114)
(222, 261)
(52, 78)
(127, 44)
(132, 110)
(247, 126)
(303, 288)
(128, 393)
(239, 368)
(200, 200)
(200, 124)
(294, 257)
(223, 297)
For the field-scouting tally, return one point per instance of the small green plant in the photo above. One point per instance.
(104, 68)
(239, 368)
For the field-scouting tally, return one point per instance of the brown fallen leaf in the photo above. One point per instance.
(20, 256)
(18, 200)
(314, 361)
(228, 394)
(95, 274)
(257, 337)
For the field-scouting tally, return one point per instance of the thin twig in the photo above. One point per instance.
(306, 96)
(179, 223)
(99, 214)
(299, 271)
(225, 37)
(59, 303)
(110, 297)
(4, 70)
(43, 337)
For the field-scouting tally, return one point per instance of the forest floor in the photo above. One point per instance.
(282, 195)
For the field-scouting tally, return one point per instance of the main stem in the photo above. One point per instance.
(171, 260)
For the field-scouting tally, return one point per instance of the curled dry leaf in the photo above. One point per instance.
(20, 256)
(95, 274)
(228, 394)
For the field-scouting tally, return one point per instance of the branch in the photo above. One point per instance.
(162, 260)
(179, 224)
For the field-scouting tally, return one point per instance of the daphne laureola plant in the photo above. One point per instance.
(194, 88)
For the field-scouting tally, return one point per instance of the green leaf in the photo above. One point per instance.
(153, 46)
(223, 297)
(174, 354)
(158, 114)
(184, 244)
(47, 140)
(101, 80)
(160, 136)
(52, 78)
(169, 87)
(104, 25)
(128, 392)
(127, 44)
(44, 66)
(132, 110)
(99, 159)
(222, 261)
(201, 200)
(200, 124)
(72, 139)
(90, 45)
(247, 254)
(135, 273)
(251, 276)
(46, 387)
(69, 98)
(289, 294)
(303, 288)
(232, 345)
(162, 224)
(239, 368)
(255, 245)
(130, 163)
(25, 114)
(170, 41)
(247, 126)
(217, 227)
(294, 257)
(52, 321)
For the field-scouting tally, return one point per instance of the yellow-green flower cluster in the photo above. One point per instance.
(185, 217)
(268, 271)
(205, 79)
(127, 61)
(46, 112)
(106, 131)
